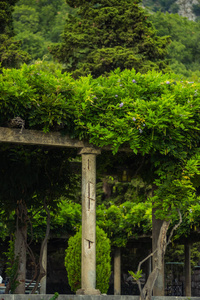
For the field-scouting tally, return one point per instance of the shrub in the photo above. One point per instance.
(103, 266)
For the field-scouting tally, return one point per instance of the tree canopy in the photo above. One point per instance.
(100, 37)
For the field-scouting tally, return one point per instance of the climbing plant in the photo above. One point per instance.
(153, 115)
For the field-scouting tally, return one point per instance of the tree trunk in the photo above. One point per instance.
(146, 292)
(42, 266)
(43, 281)
(159, 286)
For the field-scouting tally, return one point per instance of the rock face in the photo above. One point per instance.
(185, 8)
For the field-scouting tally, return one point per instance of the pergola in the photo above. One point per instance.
(88, 153)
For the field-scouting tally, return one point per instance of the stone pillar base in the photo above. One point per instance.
(88, 292)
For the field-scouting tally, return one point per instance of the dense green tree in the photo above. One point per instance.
(103, 261)
(25, 16)
(6, 8)
(10, 53)
(104, 35)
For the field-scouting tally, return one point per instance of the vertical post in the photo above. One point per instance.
(187, 270)
(43, 281)
(159, 287)
(117, 271)
(88, 256)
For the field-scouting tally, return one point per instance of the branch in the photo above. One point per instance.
(139, 267)
(175, 227)
(151, 254)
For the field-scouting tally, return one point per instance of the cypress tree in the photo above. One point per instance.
(102, 35)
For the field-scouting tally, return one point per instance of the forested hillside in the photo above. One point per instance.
(184, 49)
(185, 8)
(39, 24)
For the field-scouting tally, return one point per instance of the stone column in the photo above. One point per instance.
(43, 281)
(187, 270)
(88, 256)
(117, 271)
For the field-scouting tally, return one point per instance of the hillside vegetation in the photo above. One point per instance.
(39, 24)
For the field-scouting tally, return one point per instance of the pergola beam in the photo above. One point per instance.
(36, 137)
(53, 139)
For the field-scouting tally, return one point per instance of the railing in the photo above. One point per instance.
(29, 285)
(175, 289)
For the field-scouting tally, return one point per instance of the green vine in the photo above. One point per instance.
(12, 267)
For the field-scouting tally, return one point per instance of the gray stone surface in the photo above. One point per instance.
(88, 297)
(36, 137)
(88, 258)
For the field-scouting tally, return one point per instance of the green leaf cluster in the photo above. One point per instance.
(177, 190)
(136, 276)
(124, 221)
(176, 253)
(103, 266)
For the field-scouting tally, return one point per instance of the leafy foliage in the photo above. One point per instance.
(102, 37)
(6, 8)
(55, 296)
(10, 53)
(155, 115)
(73, 261)
(183, 51)
(39, 23)
(176, 253)
(12, 267)
(124, 221)
(136, 276)
(36, 177)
